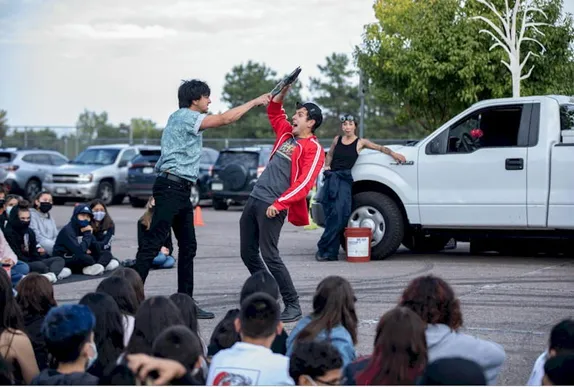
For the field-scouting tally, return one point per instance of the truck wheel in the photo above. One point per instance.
(106, 193)
(220, 205)
(419, 243)
(382, 215)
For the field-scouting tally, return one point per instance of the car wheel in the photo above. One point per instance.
(383, 216)
(106, 192)
(194, 196)
(137, 203)
(33, 187)
(220, 205)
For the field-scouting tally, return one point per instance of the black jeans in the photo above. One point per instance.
(47, 265)
(173, 209)
(77, 262)
(259, 231)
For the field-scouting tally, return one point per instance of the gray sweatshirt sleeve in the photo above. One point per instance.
(45, 230)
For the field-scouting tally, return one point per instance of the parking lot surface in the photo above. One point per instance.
(514, 301)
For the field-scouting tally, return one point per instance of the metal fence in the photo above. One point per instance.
(69, 141)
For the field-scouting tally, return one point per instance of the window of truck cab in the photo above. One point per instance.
(567, 117)
(497, 126)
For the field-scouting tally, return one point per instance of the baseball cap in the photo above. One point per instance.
(314, 112)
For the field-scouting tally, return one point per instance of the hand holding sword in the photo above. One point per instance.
(280, 90)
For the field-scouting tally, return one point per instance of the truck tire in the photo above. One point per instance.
(383, 215)
(106, 193)
(419, 243)
(220, 205)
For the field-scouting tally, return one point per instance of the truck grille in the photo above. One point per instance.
(73, 179)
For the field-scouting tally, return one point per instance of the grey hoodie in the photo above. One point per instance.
(44, 226)
(443, 342)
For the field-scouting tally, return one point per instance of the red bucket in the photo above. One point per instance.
(358, 241)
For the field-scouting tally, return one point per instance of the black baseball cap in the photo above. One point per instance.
(314, 112)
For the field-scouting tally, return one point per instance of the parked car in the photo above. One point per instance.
(235, 173)
(100, 171)
(141, 176)
(26, 169)
(498, 173)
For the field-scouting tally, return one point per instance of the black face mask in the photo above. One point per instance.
(45, 207)
(24, 224)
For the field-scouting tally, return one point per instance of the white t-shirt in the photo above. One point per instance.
(247, 364)
(538, 371)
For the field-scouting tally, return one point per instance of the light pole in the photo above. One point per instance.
(362, 99)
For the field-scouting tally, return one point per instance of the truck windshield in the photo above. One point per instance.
(567, 117)
(96, 156)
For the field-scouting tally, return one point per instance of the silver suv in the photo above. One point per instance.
(26, 169)
(100, 171)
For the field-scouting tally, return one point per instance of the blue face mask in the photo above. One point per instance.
(83, 223)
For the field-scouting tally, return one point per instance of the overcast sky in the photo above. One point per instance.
(127, 57)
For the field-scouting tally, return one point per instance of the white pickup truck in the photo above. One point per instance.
(500, 172)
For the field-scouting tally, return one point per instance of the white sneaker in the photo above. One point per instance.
(51, 277)
(65, 273)
(96, 269)
(114, 263)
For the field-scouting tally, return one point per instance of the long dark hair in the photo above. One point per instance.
(11, 318)
(122, 292)
(134, 279)
(154, 315)
(35, 295)
(109, 330)
(188, 310)
(106, 223)
(433, 300)
(400, 353)
(333, 304)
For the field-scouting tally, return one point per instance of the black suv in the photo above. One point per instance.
(235, 173)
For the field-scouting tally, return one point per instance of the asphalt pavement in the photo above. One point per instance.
(513, 301)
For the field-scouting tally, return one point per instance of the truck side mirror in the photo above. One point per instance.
(433, 148)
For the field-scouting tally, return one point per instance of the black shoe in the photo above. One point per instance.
(203, 314)
(291, 313)
(319, 258)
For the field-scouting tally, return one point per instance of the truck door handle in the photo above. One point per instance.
(514, 164)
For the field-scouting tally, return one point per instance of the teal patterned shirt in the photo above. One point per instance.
(181, 144)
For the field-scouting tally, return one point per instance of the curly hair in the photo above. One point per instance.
(433, 300)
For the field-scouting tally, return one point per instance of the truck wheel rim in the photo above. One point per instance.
(194, 196)
(369, 217)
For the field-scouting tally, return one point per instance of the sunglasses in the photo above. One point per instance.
(347, 117)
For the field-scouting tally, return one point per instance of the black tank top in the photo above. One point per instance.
(344, 156)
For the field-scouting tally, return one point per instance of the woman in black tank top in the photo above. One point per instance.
(336, 194)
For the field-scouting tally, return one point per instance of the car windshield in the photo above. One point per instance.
(567, 117)
(97, 156)
(247, 159)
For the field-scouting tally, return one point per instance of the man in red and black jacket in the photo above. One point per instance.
(281, 192)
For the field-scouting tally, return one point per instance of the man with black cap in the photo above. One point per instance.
(295, 162)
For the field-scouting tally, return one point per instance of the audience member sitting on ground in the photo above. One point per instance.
(125, 297)
(134, 279)
(333, 319)
(104, 232)
(22, 240)
(108, 331)
(43, 223)
(3, 218)
(399, 355)
(164, 258)
(15, 346)
(452, 372)
(183, 345)
(224, 334)
(436, 304)
(36, 298)
(69, 334)
(315, 363)
(251, 361)
(75, 242)
(561, 343)
(11, 201)
(15, 268)
(559, 371)
(188, 310)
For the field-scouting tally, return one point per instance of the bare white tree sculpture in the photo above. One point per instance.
(510, 35)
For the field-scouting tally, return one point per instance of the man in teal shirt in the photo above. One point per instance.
(178, 169)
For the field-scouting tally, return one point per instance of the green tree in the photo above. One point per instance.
(3, 124)
(428, 58)
(92, 125)
(243, 83)
(145, 130)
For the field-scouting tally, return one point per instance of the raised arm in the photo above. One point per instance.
(234, 114)
(276, 114)
(371, 145)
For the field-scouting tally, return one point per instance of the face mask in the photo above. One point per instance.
(24, 224)
(45, 207)
(99, 215)
(92, 360)
(84, 223)
(8, 209)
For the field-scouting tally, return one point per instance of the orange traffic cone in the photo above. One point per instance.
(197, 217)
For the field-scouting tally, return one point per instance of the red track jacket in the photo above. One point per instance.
(306, 163)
